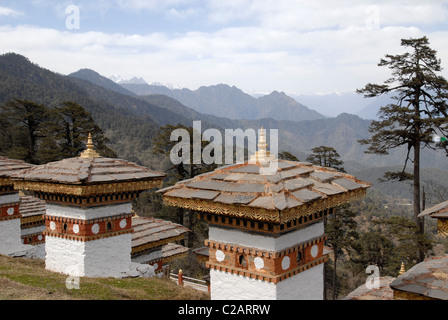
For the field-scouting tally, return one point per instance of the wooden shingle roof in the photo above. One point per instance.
(438, 211)
(243, 190)
(85, 171)
(151, 232)
(9, 167)
(428, 279)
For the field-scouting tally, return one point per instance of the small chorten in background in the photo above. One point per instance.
(402, 269)
(88, 220)
(10, 217)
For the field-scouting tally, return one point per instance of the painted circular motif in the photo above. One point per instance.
(40, 237)
(314, 251)
(259, 263)
(123, 224)
(52, 225)
(76, 228)
(220, 256)
(10, 211)
(286, 263)
(95, 228)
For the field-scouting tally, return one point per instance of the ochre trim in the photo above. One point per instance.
(32, 221)
(261, 214)
(84, 238)
(87, 190)
(442, 226)
(5, 182)
(402, 295)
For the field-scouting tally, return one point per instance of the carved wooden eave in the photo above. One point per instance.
(87, 190)
(88, 180)
(260, 214)
(439, 212)
(9, 167)
(296, 194)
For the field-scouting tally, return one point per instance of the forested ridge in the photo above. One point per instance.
(135, 128)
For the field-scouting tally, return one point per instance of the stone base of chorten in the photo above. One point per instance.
(102, 258)
(10, 241)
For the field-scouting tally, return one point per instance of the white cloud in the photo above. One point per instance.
(260, 45)
(9, 12)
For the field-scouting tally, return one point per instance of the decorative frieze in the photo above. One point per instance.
(263, 227)
(266, 265)
(57, 191)
(265, 215)
(87, 230)
(9, 211)
(442, 226)
(33, 238)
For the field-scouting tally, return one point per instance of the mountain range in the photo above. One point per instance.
(225, 101)
(131, 118)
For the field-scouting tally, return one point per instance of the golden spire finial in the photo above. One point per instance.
(402, 270)
(261, 155)
(90, 151)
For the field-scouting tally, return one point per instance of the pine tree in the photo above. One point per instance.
(326, 157)
(419, 111)
(176, 172)
(28, 119)
(341, 226)
(66, 134)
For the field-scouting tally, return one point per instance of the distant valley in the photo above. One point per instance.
(132, 118)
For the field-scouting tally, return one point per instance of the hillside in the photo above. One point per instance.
(131, 122)
(341, 132)
(27, 279)
(230, 102)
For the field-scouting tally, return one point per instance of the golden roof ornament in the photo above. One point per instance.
(402, 270)
(90, 151)
(262, 155)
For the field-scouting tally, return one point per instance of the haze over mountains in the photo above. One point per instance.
(225, 101)
(320, 105)
(131, 120)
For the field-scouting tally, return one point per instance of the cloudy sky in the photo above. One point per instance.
(293, 46)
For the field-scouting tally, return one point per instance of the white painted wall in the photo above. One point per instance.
(10, 233)
(98, 258)
(242, 238)
(227, 286)
(9, 198)
(307, 285)
(88, 213)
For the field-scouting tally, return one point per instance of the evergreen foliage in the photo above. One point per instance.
(419, 112)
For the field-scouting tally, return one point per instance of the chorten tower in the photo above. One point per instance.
(88, 211)
(10, 231)
(266, 232)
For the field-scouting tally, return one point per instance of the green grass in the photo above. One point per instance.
(27, 279)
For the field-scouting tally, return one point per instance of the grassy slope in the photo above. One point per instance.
(27, 279)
